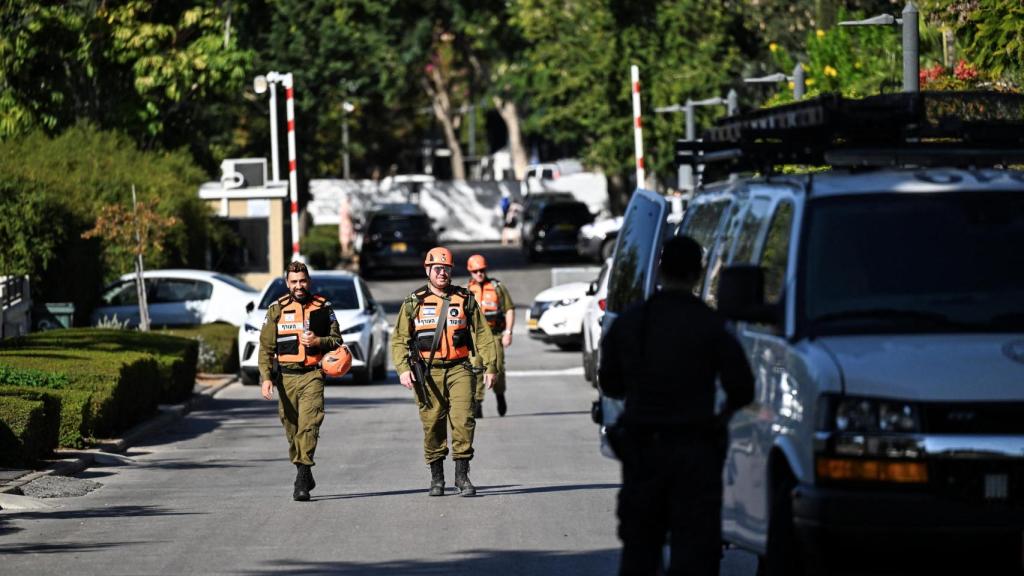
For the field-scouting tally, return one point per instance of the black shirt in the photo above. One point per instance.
(663, 356)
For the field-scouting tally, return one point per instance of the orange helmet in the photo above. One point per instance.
(439, 255)
(476, 262)
(337, 362)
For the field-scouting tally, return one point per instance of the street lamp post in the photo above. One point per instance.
(910, 24)
(797, 78)
(260, 85)
(731, 102)
(347, 108)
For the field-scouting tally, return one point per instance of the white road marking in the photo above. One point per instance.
(577, 371)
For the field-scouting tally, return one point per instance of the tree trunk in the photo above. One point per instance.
(510, 115)
(441, 103)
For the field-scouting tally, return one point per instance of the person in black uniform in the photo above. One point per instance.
(663, 356)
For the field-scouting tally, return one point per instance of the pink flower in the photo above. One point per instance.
(964, 71)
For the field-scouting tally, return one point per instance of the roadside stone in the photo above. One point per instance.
(51, 486)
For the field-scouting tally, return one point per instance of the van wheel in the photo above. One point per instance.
(361, 376)
(782, 557)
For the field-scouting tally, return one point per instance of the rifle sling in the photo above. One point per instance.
(441, 323)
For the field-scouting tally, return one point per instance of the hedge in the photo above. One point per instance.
(218, 345)
(23, 434)
(75, 409)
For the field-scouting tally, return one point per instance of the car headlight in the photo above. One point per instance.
(251, 329)
(354, 329)
(869, 440)
(564, 302)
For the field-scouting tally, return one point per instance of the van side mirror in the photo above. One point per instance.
(592, 289)
(741, 295)
(250, 306)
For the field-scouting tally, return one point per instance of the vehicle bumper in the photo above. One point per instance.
(538, 334)
(843, 528)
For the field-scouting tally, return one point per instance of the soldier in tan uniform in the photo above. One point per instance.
(300, 328)
(496, 304)
(446, 397)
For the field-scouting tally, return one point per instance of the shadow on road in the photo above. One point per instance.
(491, 562)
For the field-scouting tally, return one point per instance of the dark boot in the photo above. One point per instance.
(437, 478)
(502, 407)
(301, 493)
(462, 482)
(478, 409)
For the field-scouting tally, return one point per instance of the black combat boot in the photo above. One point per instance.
(478, 409)
(437, 478)
(462, 482)
(502, 407)
(301, 493)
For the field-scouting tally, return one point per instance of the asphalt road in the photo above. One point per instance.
(212, 494)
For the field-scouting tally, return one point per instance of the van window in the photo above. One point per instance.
(914, 263)
(716, 256)
(775, 255)
(701, 223)
(634, 253)
(750, 231)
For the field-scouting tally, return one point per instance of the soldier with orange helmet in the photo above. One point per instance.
(300, 328)
(497, 307)
(442, 326)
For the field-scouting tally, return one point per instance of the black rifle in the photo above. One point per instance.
(419, 374)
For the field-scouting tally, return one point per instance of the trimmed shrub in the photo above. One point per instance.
(23, 431)
(75, 410)
(218, 346)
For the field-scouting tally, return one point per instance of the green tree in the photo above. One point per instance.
(990, 34)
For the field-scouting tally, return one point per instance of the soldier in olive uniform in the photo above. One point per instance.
(300, 328)
(496, 304)
(450, 388)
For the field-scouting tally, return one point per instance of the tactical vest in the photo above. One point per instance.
(292, 322)
(488, 297)
(455, 342)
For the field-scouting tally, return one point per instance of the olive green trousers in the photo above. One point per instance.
(499, 381)
(301, 408)
(451, 404)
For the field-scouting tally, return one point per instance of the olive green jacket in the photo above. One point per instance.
(268, 341)
(483, 341)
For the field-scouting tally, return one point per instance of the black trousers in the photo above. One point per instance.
(671, 485)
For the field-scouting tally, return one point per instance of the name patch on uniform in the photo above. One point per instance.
(422, 322)
(295, 326)
(289, 317)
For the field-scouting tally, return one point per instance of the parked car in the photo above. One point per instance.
(532, 204)
(596, 240)
(880, 312)
(556, 316)
(395, 237)
(364, 326)
(554, 229)
(568, 175)
(592, 318)
(177, 298)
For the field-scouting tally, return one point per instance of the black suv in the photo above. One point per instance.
(553, 228)
(395, 237)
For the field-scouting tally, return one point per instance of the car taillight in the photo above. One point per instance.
(602, 304)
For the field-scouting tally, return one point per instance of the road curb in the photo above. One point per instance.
(79, 460)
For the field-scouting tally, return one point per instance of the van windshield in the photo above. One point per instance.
(914, 263)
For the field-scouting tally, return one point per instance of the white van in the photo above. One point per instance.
(882, 310)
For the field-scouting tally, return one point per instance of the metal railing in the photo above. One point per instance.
(11, 290)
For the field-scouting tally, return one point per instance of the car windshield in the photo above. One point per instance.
(234, 282)
(340, 291)
(406, 224)
(912, 263)
(568, 212)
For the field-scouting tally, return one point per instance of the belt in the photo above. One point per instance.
(445, 364)
(303, 370)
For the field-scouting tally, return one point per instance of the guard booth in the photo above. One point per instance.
(254, 209)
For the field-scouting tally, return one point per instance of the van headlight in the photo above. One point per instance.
(869, 440)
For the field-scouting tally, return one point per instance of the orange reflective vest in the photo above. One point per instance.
(455, 342)
(292, 322)
(487, 296)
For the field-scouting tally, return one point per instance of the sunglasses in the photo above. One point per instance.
(439, 269)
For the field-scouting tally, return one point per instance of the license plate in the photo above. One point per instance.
(531, 323)
(399, 247)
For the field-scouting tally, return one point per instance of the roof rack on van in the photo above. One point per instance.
(967, 129)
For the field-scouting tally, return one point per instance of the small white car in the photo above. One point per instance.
(592, 316)
(177, 298)
(597, 240)
(556, 316)
(361, 319)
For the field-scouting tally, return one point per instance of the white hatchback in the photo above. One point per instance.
(556, 316)
(361, 319)
(177, 298)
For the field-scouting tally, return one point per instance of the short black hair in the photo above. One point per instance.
(296, 266)
(681, 258)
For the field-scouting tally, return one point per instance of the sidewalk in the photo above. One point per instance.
(69, 462)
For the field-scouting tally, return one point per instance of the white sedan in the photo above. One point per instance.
(592, 317)
(556, 316)
(364, 327)
(177, 298)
